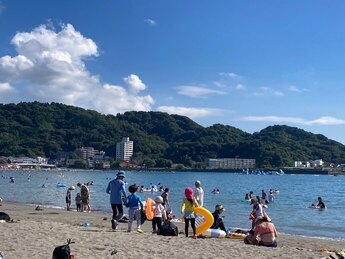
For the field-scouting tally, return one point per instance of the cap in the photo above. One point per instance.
(253, 200)
(120, 174)
(159, 199)
(189, 193)
(198, 183)
(72, 187)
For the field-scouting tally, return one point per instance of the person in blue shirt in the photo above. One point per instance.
(135, 206)
(116, 189)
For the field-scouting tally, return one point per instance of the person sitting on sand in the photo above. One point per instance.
(187, 210)
(321, 204)
(218, 222)
(265, 233)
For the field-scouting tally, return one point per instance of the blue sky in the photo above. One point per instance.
(248, 64)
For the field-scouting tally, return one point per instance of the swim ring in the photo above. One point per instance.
(149, 211)
(204, 219)
(214, 233)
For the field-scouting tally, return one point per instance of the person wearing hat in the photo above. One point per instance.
(187, 210)
(199, 193)
(159, 215)
(116, 189)
(218, 219)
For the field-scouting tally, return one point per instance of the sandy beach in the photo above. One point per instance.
(35, 234)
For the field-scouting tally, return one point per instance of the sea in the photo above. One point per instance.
(289, 211)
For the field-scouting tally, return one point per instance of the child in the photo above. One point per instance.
(189, 203)
(159, 214)
(68, 197)
(78, 201)
(132, 202)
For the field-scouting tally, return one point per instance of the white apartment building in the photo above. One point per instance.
(124, 149)
(230, 163)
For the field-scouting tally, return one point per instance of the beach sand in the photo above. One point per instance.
(35, 234)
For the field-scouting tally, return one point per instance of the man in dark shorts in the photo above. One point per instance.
(116, 189)
(218, 219)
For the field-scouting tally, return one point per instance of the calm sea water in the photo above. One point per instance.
(289, 211)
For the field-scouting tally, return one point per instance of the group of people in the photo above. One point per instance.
(264, 197)
(82, 199)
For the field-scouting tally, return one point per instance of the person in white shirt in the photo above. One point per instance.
(199, 193)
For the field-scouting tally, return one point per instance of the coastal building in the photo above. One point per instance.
(308, 164)
(230, 163)
(86, 152)
(124, 149)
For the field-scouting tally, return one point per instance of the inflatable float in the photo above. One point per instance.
(204, 220)
(316, 207)
(214, 233)
(149, 211)
(59, 185)
(233, 235)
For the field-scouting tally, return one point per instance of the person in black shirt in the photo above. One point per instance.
(218, 219)
(321, 204)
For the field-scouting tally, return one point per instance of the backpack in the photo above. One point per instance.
(63, 252)
(168, 229)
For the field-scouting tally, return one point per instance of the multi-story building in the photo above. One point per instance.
(86, 152)
(230, 163)
(124, 149)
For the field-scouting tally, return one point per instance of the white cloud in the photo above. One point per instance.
(135, 84)
(190, 112)
(229, 74)
(278, 93)
(150, 22)
(6, 87)
(50, 66)
(326, 120)
(197, 92)
(294, 88)
(240, 87)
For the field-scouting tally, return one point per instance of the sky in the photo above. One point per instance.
(247, 64)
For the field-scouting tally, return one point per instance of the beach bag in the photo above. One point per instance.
(168, 229)
(5, 216)
(63, 252)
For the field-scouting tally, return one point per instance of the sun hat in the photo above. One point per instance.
(197, 183)
(72, 188)
(189, 193)
(220, 207)
(159, 199)
(120, 174)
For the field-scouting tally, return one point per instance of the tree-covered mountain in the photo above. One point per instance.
(42, 129)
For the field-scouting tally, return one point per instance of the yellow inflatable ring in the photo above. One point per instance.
(207, 221)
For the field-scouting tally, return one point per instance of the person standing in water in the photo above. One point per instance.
(199, 193)
(116, 189)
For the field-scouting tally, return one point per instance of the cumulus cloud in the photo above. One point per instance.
(326, 120)
(190, 112)
(150, 22)
(197, 92)
(50, 66)
(240, 87)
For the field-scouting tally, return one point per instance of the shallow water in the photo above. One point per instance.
(289, 211)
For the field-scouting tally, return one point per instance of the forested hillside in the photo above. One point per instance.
(33, 129)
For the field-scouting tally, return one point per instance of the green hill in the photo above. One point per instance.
(41, 129)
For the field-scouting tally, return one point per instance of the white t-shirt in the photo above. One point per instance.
(199, 196)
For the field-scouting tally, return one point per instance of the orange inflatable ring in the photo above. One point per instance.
(149, 211)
